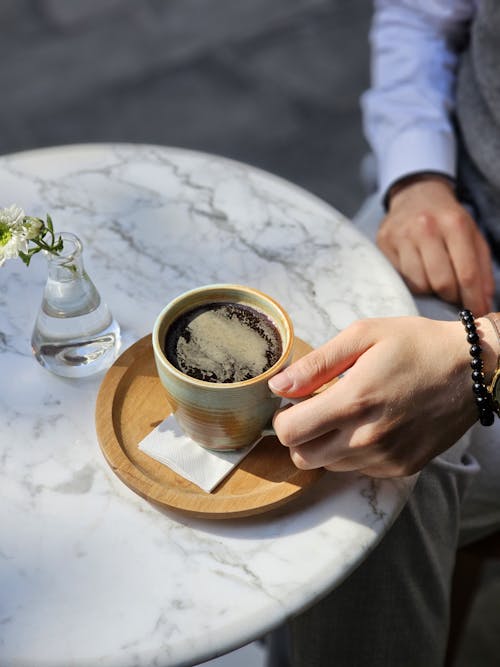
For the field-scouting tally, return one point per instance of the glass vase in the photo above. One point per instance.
(75, 334)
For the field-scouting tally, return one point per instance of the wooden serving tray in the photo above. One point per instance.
(132, 402)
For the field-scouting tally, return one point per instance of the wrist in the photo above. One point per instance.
(406, 182)
(490, 342)
(484, 339)
(484, 353)
(494, 379)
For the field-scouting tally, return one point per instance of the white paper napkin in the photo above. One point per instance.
(205, 468)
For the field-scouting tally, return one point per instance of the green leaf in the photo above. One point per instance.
(25, 257)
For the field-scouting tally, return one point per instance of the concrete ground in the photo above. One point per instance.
(274, 83)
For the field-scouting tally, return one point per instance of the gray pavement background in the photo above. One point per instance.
(274, 83)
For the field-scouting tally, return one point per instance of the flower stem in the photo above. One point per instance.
(40, 241)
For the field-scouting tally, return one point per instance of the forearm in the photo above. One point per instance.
(407, 110)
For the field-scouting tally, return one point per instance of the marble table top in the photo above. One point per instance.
(90, 573)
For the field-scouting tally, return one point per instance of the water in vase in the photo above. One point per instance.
(75, 334)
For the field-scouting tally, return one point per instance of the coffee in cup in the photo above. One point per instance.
(215, 349)
(223, 341)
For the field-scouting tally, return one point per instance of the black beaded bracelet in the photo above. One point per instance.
(482, 397)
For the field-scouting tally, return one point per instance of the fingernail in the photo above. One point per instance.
(281, 382)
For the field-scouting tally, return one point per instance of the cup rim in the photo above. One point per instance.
(218, 386)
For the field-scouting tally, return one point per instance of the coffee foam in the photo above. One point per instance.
(229, 343)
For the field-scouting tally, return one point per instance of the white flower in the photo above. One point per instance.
(23, 236)
(12, 216)
(11, 243)
(32, 227)
(13, 234)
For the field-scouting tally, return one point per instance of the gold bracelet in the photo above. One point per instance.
(494, 386)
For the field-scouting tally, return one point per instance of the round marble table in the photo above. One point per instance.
(90, 573)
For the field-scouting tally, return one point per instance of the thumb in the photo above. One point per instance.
(322, 365)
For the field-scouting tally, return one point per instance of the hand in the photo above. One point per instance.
(406, 397)
(436, 246)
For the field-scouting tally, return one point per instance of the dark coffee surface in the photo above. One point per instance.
(223, 342)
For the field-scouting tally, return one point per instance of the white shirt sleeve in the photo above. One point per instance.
(407, 110)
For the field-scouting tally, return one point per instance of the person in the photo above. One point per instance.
(432, 116)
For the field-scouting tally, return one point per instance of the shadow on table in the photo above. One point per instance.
(351, 500)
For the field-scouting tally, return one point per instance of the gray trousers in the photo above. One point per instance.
(393, 610)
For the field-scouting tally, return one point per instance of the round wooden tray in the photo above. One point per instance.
(132, 402)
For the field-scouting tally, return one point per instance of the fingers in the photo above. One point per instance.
(461, 240)
(348, 450)
(412, 269)
(442, 254)
(310, 419)
(387, 244)
(436, 260)
(322, 365)
(360, 447)
(333, 449)
(425, 264)
(332, 452)
(336, 426)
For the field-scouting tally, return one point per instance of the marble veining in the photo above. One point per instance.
(90, 573)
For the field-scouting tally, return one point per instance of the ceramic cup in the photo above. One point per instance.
(221, 416)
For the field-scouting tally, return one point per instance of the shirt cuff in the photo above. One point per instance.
(414, 151)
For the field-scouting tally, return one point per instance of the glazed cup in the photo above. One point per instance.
(221, 416)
